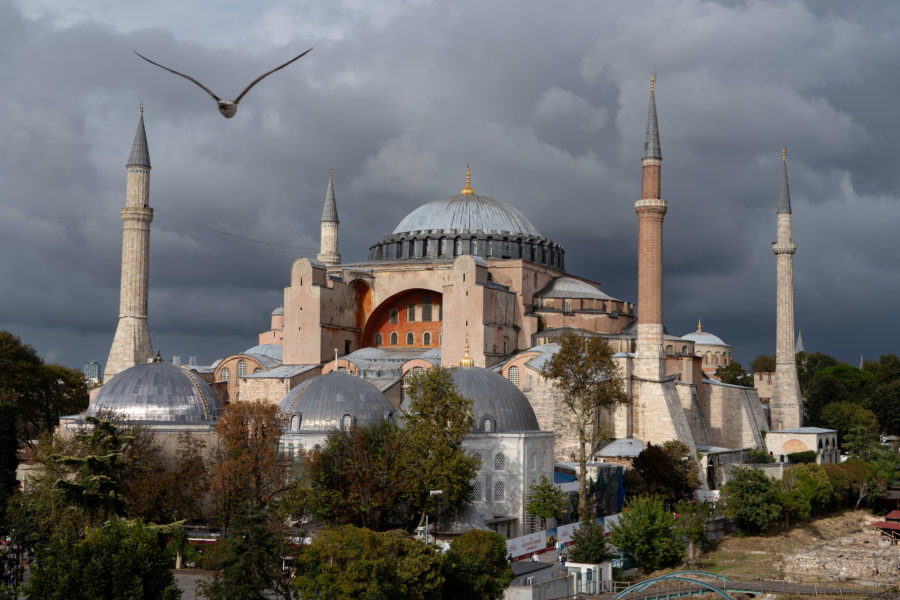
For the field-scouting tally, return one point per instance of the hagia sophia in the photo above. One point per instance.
(467, 282)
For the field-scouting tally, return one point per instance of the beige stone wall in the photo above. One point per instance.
(734, 416)
(658, 413)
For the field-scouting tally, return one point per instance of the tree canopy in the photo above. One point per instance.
(475, 567)
(762, 364)
(734, 374)
(668, 470)
(752, 499)
(546, 500)
(589, 544)
(645, 532)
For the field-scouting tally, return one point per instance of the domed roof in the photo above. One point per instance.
(157, 393)
(273, 351)
(703, 337)
(569, 287)
(467, 212)
(493, 397)
(321, 403)
(278, 311)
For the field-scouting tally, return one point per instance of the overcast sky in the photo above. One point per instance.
(546, 100)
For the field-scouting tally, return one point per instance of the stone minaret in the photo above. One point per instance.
(651, 209)
(785, 408)
(131, 344)
(328, 246)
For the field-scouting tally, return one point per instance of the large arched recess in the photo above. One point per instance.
(380, 320)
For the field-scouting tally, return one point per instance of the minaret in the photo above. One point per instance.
(785, 408)
(651, 209)
(131, 344)
(328, 246)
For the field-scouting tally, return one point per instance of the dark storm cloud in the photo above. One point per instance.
(549, 107)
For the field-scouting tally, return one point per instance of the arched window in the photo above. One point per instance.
(410, 338)
(242, 368)
(411, 312)
(295, 422)
(346, 423)
(426, 339)
(499, 461)
(474, 247)
(458, 249)
(226, 374)
(669, 349)
(567, 306)
(379, 339)
(395, 339)
(477, 456)
(487, 425)
(476, 491)
(426, 308)
(499, 491)
(395, 316)
(514, 375)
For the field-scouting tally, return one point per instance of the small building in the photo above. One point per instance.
(785, 442)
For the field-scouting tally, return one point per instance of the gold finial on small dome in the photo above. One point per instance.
(652, 81)
(466, 360)
(142, 108)
(699, 325)
(784, 153)
(329, 173)
(468, 191)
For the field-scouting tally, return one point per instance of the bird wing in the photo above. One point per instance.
(188, 77)
(264, 75)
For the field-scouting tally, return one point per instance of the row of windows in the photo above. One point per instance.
(225, 375)
(545, 253)
(411, 311)
(499, 491)
(499, 460)
(410, 339)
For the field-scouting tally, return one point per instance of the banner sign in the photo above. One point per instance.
(522, 546)
(707, 495)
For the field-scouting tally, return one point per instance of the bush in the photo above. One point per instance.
(802, 458)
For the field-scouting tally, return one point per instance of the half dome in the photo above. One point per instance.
(321, 404)
(157, 394)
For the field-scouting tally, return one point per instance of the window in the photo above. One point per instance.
(476, 491)
(395, 339)
(395, 316)
(426, 339)
(426, 308)
(226, 374)
(295, 422)
(499, 491)
(487, 425)
(477, 456)
(459, 247)
(346, 422)
(514, 375)
(242, 368)
(410, 338)
(379, 339)
(474, 247)
(499, 462)
(567, 306)
(411, 312)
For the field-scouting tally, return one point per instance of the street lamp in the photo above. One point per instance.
(430, 493)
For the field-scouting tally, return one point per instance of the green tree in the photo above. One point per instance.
(734, 374)
(347, 563)
(823, 390)
(475, 567)
(8, 460)
(667, 470)
(763, 364)
(546, 500)
(590, 385)
(810, 364)
(435, 423)
(847, 416)
(858, 383)
(885, 404)
(589, 544)
(646, 532)
(116, 560)
(804, 489)
(691, 523)
(752, 499)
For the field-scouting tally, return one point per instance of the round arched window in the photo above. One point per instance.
(346, 422)
(395, 339)
(476, 491)
(410, 338)
(242, 367)
(499, 491)
(379, 339)
(395, 316)
(514, 375)
(499, 461)
(426, 339)
(487, 425)
(226, 374)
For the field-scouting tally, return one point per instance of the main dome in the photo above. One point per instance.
(467, 223)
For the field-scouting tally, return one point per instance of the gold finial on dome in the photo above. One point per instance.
(466, 360)
(652, 81)
(699, 325)
(784, 153)
(142, 108)
(468, 191)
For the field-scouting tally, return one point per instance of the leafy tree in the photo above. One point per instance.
(762, 364)
(805, 489)
(435, 423)
(475, 567)
(546, 501)
(752, 499)
(886, 370)
(347, 563)
(858, 383)
(589, 544)
(861, 441)
(823, 391)
(759, 456)
(808, 365)
(8, 460)
(668, 470)
(691, 523)
(847, 416)
(734, 374)
(246, 472)
(590, 384)
(885, 404)
(799, 458)
(646, 532)
(116, 560)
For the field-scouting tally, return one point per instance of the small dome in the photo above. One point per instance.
(493, 398)
(568, 287)
(322, 402)
(157, 393)
(703, 337)
(273, 351)
(278, 311)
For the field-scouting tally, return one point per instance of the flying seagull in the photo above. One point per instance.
(227, 107)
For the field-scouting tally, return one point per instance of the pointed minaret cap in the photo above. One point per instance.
(798, 347)
(784, 195)
(466, 360)
(329, 212)
(140, 153)
(651, 140)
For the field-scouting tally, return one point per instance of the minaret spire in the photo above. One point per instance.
(785, 407)
(328, 245)
(131, 343)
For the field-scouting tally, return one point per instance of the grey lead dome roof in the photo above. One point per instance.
(321, 402)
(467, 212)
(157, 393)
(569, 287)
(704, 337)
(493, 396)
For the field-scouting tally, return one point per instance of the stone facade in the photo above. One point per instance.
(823, 442)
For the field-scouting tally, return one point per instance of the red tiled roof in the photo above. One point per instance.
(894, 515)
(887, 525)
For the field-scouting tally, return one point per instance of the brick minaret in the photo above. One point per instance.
(785, 408)
(131, 344)
(328, 246)
(651, 209)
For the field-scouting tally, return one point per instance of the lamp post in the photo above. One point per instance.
(430, 493)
